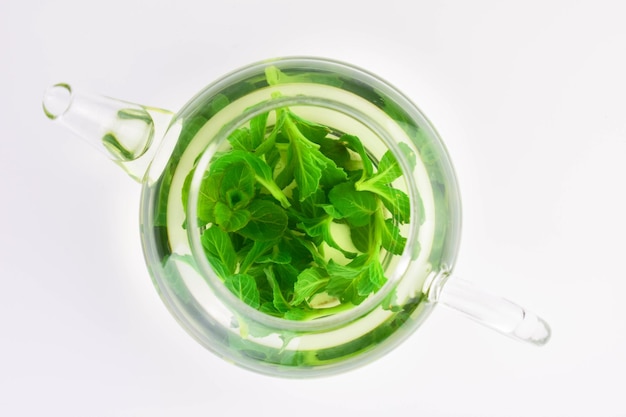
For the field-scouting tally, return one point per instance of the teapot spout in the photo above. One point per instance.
(126, 132)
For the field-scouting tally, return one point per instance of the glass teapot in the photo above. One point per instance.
(299, 216)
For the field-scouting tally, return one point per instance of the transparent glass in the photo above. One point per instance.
(180, 150)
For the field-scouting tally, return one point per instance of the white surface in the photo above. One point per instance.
(530, 99)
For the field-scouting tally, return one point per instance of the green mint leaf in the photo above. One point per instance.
(321, 227)
(267, 221)
(355, 281)
(263, 174)
(230, 219)
(372, 278)
(258, 125)
(336, 151)
(301, 257)
(309, 282)
(307, 168)
(241, 139)
(304, 160)
(208, 196)
(287, 166)
(307, 163)
(391, 238)
(344, 280)
(354, 143)
(275, 257)
(237, 185)
(219, 251)
(278, 300)
(312, 131)
(332, 211)
(396, 201)
(259, 249)
(287, 274)
(272, 158)
(355, 206)
(309, 207)
(362, 237)
(273, 75)
(222, 161)
(262, 171)
(331, 174)
(312, 249)
(388, 169)
(267, 144)
(245, 288)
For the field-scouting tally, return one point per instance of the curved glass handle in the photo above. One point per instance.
(492, 311)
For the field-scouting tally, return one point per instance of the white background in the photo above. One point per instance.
(530, 98)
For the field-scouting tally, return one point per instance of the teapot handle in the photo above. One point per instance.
(489, 310)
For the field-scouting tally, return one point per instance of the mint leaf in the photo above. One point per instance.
(267, 144)
(396, 201)
(208, 196)
(241, 139)
(354, 143)
(230, 219)
(312, 131)
(355, 281)
(336, 151)
(321, 227)
(259, 249)
(373, 278)
(245, 288)
(332, 211)
(257, 130)
(301, 257)
(362, 237)
(278, 300)
(388, 169)
(309, 207)
(261, 171)
(304, 160)
(331, 174)
(391, 238)
(355, 206)
(237, 185)
(219, 251)
(312, 249)
(267, 221)
(344, 280)
(308, 165)
(287, 274)
(263, 174)
(310, 282)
